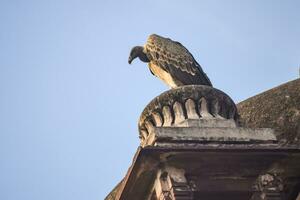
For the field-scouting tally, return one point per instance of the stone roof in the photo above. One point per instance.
(277, 108)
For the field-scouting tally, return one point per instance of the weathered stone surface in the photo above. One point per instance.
(204, 123)
(233, 172)
(217, 163)
(278, 108)
(204, 109)
(269, 186)
(178, 112)
(191, 109)
(175, 106)
(168, 118)
(216, 135)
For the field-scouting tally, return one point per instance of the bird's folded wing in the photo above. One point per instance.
(175, 59)
(168, 53)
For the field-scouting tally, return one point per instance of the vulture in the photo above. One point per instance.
(170, 61)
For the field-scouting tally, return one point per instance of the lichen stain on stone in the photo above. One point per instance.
(278, 108)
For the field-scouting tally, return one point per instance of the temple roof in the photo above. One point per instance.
(277, 108)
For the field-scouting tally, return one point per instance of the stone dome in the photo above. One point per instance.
(190, 102)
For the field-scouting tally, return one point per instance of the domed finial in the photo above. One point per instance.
(188, 106)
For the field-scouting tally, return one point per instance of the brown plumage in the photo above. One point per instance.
(170, 61)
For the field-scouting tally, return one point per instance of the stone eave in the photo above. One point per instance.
(147, 160)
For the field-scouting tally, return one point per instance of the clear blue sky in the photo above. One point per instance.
(70, 102)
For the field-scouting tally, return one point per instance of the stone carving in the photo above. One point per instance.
(191, 102)
(172, 185)
(178, 113)
(168, 118)
(268, 186)
(191, 109)
(271, 182)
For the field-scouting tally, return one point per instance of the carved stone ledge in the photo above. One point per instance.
(191, 105)
(168, 136)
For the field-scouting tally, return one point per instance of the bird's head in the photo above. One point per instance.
(137, 51)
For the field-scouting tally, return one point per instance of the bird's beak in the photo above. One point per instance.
(129, 60)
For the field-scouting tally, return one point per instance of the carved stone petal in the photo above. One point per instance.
(157, 119)
(216, 109)
(149, 126)
(167, 115)
(191, 109)
(203, 108)
(144, 134)
(178, 112)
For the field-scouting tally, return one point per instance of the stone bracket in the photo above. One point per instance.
(171, 184)
(269, 187)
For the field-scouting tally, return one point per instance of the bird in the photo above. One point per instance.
(170, 61)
